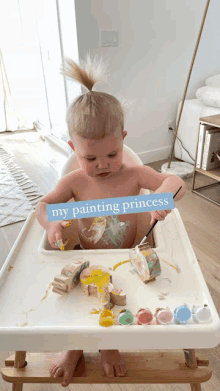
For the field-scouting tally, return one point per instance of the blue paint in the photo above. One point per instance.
(182, 314)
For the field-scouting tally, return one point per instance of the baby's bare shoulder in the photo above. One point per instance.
(76, 177)
(74, 174)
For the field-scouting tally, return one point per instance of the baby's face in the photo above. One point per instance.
(99, 158)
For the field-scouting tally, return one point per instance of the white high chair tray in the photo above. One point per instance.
(34, 318)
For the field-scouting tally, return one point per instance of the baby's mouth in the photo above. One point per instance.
(104, 174)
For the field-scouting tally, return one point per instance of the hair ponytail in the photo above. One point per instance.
(93, 115)
(88, 73)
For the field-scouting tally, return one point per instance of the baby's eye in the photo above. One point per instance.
(113, 155)
(90, 159)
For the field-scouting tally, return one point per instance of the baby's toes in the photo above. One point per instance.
(124, 370)
(120, 370)
(66, 379)
(58, 372)
(52, 369)
(109, 371)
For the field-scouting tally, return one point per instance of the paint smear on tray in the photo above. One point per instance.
(162, 296)
(175, 267)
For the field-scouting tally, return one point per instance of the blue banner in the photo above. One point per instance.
(110, 206)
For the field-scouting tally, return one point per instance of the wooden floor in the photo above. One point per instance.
(43, 163)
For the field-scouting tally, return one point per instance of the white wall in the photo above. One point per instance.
(156, 43)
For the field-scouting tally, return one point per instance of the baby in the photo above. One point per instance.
(96, 127)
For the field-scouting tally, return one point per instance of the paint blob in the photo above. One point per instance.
(106, 318)
(144, 316)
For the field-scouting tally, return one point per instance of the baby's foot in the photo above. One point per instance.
(112, 362)
(65, 365)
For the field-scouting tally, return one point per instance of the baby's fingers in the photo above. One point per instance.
(59, 241)
(65, 223)
(160, 215)
(53, 243)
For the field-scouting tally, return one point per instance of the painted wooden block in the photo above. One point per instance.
(95, 281)
(69, 277)
(110, 294)
(146, 262)
(118, 297)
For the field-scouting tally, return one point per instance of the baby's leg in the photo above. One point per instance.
(113, 363)
(65, 365)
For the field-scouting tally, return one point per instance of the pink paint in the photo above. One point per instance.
(144, 316)
(164, 316)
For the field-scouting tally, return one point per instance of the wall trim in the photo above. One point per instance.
(154, 155)
(64, 147)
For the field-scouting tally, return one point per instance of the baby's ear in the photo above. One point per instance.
(124, 134)
(71, 145)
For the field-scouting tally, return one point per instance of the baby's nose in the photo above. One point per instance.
(102, 164)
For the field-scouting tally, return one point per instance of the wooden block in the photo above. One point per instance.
(69, 277)
(57, 290)
(118, 297)
(142, 368)
(146, 262)
(91, 289)
(65, 283)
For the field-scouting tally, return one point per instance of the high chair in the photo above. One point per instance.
(143, 366)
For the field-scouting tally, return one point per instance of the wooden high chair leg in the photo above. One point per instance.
(191, 362)
(19, 363)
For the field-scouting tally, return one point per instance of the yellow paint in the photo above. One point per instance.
(47, 291)
(97, 277)
(120, 263)
(169, 264)
(106, 318)
(144, 253)
(68, 223)
(95, 311)
(61, 245)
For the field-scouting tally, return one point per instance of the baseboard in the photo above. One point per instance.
(154, 155)
(59, 143)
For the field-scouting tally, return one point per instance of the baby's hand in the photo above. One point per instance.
(158, 215)
(55, 232)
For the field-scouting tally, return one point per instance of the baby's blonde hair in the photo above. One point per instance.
(93, 115)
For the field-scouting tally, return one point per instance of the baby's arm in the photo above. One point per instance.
(62, 193)
(150, 179)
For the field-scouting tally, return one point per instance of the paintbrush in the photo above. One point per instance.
(145, 237)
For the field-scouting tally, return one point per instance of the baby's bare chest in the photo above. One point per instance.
(92, 190)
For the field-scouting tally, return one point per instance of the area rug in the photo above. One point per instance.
(18, 194)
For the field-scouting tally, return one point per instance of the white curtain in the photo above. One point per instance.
(35, 36)
(22, 96)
